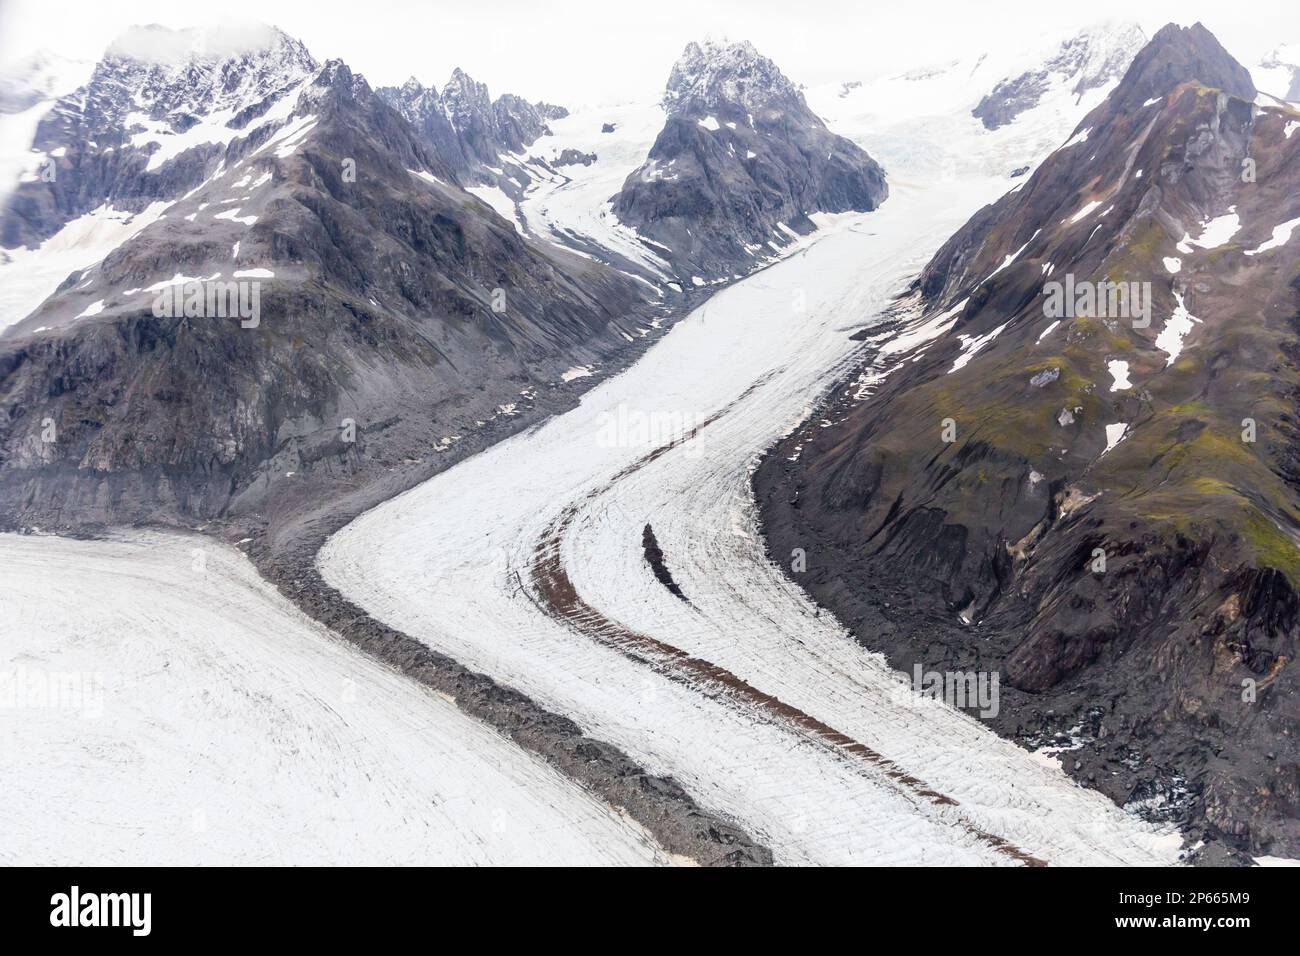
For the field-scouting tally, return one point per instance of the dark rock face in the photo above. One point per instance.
(518, 122)
(654, 557)
(1138, 586)
(549, 111)
(102, 139)
(422, 108)
(1086, 62)
(739, 153)
(1176, 55)
(469, 107)
(466, 127)
(574, 157)
(395, 302)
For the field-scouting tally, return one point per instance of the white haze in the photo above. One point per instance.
(587, 51)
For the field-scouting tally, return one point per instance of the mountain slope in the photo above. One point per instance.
(1087, 61)
(398, 314)
(1109, 431)
(423, 109)
(152, 122)
(740, 165)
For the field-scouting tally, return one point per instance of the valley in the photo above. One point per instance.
(694, 477)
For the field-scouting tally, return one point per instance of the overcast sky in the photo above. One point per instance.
(592, 51)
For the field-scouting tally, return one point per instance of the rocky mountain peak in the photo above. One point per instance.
(422, 107)
(550, 111)
(706, 76)
(465, 125)
(412, 99)
(1178, 55)
(518, 122)
(154, 119)
(337, 80)
(172, 78)
(202, 70)
(463, 96)
(741, 164)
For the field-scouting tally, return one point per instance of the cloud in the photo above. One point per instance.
(159, 44)
(591, 51)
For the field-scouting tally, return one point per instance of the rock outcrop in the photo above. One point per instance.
(740, 165)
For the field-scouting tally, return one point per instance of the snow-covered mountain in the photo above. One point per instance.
(423, 308)
(928, 122)
(469, 129)
(151, 123)
(182, 156)
(1278, 73)
(1111, 426)
(718, 74)
(574, 175)
(919, 124)
(156, 119)
(740, 166)
(561, 177)
(1087, 61)
(172, 78)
